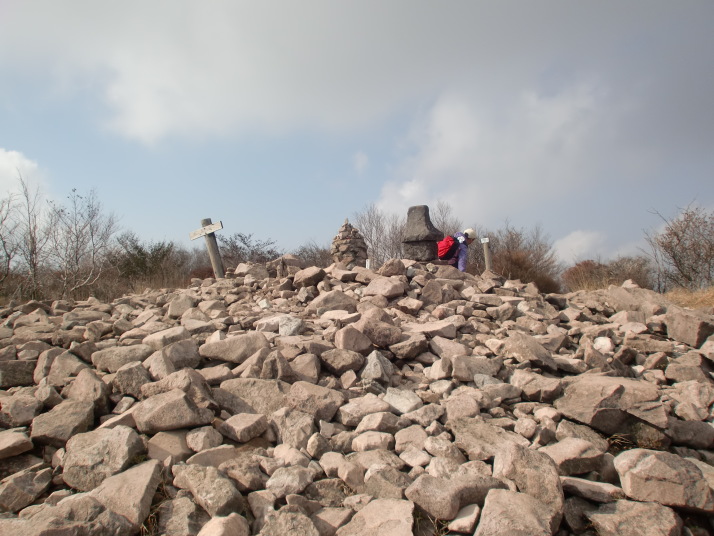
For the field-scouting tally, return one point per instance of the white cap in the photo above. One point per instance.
(470, 233)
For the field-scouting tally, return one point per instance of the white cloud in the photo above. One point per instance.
(360, 162)
(13, 165)
(196, 68)
(580, 245)
(490, 164)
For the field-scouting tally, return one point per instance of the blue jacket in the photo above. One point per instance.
(461, 256)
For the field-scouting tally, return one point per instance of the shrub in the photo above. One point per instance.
(312, 254)
(592, 275)
(520, 254)
(683, 252)
(241, 247)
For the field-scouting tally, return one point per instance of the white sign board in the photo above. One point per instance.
(484, 240)
(203, 231)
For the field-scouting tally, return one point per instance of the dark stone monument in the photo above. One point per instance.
(421, 236)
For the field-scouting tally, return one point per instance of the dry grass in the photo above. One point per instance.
(692, 299)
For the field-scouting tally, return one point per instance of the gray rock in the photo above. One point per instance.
(244, 426)
(264, 396)
(62, 422)
(288, 480)
(235, 349)
(181, 517)
(16, 373)
(112, 359)
(608, 403)
(77, 514)
(130, 492)
(574, 456)
(88, 386)
(14, 442)
(535, 474)
(293, 427)
(215, 493)
(600, 492)
(320, 402)
(526, 349)
(91, 457)
(482, 441)
(665, 478)
(129, 379)
(515, 514)
(630, 518)
(22, 488)
(169, 411)
(18, 410)
(381, 517)
(340, 360)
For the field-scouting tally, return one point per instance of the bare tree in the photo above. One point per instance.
(31, 239)
(241, 247)
(80, 236)
(521, 254)
(684, 251)
(444, 219)
(383, 233)
(312, 254)
(8, 237)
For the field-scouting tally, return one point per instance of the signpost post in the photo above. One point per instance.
(208, 229)
(486, 253)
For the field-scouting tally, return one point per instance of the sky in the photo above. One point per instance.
(592, 120)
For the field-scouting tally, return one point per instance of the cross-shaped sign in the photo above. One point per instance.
(207, 229)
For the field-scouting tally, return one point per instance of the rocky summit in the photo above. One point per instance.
(414, 399)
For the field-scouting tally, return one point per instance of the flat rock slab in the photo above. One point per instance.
(169, 411)
(604, 403)
(130, 493)
(264, 396)
(112, 359)
(664, 478)
(235, 349)
(513, 513)
(630, 518)
(93, 456)
(482, 441)
(62, 422)
(381, 517)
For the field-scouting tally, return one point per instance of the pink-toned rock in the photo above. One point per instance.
(235, 349)
(244, 426)
(230, 525)
(381, 517)
(352, 339)
(510, 512)
(130, 493)
(169, 411)
(630, 518)
(665, 478)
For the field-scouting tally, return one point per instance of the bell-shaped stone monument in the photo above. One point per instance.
(421, 236)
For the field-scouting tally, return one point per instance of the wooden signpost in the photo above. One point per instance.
(207, 229)
(486, 253)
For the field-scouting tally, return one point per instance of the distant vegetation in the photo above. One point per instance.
(74, 250)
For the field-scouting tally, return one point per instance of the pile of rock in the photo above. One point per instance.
(348, 247)
(412, 400)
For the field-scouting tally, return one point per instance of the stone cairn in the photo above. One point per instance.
(421, 236)
(348, 247)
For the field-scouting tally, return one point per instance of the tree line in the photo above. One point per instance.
(75, 249)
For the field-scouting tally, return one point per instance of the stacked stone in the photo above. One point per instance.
(348, 247)
(421, 236)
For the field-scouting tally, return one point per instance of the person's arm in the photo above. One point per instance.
(463, 257)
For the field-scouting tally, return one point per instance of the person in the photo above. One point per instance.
(460, 258)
